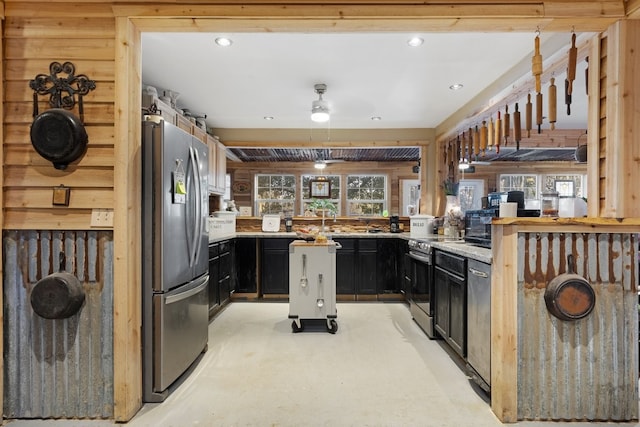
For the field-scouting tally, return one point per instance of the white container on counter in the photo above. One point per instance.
(421, 226)
(222, 224)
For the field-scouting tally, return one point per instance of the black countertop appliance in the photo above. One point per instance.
(394, 224)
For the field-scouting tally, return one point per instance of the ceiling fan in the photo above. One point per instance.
(323, 158)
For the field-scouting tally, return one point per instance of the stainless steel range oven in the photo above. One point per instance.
(419, 261)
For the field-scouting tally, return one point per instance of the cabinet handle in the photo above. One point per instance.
(478, 272)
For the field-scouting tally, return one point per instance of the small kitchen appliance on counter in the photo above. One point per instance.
(477, 224)
(270, 223)
(394, 224)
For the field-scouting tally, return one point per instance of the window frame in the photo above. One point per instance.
(383, 201)
(283, 201)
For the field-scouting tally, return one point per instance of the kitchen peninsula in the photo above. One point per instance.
(547, 368)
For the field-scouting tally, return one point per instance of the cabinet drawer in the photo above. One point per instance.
(213, 250)
(368, 245)
(276, 244)
(225, 247)
(347, 244)
(451, 262)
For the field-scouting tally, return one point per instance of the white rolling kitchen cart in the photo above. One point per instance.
(312, 284)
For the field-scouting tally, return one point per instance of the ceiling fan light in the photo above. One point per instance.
(319, 111)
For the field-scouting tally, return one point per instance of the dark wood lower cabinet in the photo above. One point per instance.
(245, 267)
(274, 266)
(346, 267)
(364, 266)
(367, 262)
(451, 300)
(220, 268)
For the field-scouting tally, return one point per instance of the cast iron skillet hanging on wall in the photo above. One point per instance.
(57, 134)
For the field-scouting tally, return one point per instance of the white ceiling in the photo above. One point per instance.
(367, 74)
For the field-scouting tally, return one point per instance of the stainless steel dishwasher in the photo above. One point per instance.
(479, 323)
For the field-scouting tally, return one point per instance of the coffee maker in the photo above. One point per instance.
(394, 224)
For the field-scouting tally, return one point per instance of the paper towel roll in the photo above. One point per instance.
(509, 209)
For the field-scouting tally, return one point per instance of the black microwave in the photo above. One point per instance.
(477, 224)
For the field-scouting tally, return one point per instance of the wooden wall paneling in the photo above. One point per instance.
(595, 130)
(504, 323)
(2, 201)
(73, 49)
(32, 42)
(127, 224)
(80, 198)
(623, 121)
(25, 69)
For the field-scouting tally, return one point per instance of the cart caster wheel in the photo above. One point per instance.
(332, 327)
(295, 327)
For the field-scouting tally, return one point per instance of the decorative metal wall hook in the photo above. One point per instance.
(54, 86)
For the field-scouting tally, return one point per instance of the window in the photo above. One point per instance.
(275, 194)
(333, 197)
(366, 194)
(526, 183)
(562, 184)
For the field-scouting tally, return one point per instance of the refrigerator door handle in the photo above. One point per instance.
(196, 185)
(199, 217)
(184, 295)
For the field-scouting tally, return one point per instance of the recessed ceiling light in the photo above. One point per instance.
(268, 117)
(376, 118)
(415, 41)
(456, 86)
(224, 41)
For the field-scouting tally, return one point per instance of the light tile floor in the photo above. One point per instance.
(379, 369)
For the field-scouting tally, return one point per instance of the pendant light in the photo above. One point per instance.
(320, 107)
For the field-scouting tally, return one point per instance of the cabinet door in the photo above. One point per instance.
(245, 265)
(346, 267)
(366, 281)
(275, 266)
(387, 263)
(221, 168)
(212, 144)
(441, 290)
(213, 276)
(457, 314)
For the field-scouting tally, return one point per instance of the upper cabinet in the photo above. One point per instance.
(217, 165)
(217, 151)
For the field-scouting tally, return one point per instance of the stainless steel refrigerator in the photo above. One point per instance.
(175, 257)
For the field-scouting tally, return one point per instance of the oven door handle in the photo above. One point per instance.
(420, 258)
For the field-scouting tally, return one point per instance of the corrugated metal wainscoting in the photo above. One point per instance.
(58, 368)
(584, 369)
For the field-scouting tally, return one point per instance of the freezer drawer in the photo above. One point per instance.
(181, 326)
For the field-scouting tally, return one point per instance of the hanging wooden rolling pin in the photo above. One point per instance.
(536, 70)
(517, 127)
(484, 133)
(490, 134)
(553, 95)
(571, 71)
(506, 122)
(476, 143)
(463, 146)
(529, 115)
(497, 133)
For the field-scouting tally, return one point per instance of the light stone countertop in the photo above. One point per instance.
(465, 249)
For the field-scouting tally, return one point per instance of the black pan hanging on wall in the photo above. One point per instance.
(57, 134)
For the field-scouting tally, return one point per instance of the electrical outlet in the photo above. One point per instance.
(102, 217)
